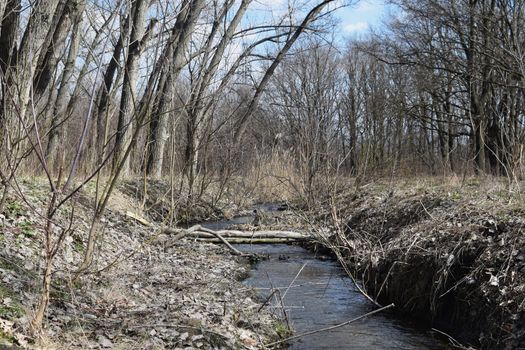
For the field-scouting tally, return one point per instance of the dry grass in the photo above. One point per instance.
(446, 249)
(274, 178)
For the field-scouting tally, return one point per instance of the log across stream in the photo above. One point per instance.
(317, 294)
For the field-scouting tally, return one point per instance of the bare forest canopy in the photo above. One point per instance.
(216, 88)
(142, 85)
(119, 88)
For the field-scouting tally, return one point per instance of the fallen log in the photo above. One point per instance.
(219, 236)
(252, 234)
(198, 231)
(138, 218)
(248, 240)
(229, 237)
(181, 233)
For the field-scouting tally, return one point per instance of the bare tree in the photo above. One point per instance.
(306, 93)
(129, 94)
(60, 104)
(175, 50)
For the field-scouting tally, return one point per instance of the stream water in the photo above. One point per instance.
(322, 295)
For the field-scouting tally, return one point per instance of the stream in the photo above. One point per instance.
(323, 295)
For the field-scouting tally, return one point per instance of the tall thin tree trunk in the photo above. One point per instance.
(54, 44)
(128, 98)
(196, 112)
(104, 93)
(8, 36)
(187, 19)
(58, 111)
(28, 55)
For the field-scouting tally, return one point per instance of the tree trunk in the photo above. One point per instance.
(159, 133)
(128, 98)
(8, 33)
(28, 55)
(8, 36)
(55, 42)
(104, 92)
(3, 5)
(159, 123)
(36, 322)
(58, 111)
(196, 111)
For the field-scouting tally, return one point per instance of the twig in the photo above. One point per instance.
(426, 211)
(267, 300)
(349, 273)
(328, 283)
(454, 342)
(283, 309)
(291, 283)
(232, 248)
(331, 327)
(386, 279)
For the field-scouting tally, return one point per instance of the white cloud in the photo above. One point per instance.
(368, 6)
(356, 27)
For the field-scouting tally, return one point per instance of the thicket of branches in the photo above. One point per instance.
(440, 91)
(136, 86)
(118, 88)
(200, 89)
(195, 90)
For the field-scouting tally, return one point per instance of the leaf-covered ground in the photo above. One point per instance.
(144, 290)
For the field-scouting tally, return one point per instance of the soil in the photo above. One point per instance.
(450, 254)
(144, 291)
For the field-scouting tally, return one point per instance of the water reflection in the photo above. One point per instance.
(322, 295)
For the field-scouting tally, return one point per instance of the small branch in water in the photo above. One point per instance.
(267, 300)
(283, 309)
(291, 283)
(349, 273)
(331, 327)
(385, 280)
(453, 341)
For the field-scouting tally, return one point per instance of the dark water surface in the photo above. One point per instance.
(321, 296)
(224, 224)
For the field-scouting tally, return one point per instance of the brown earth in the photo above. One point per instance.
(450, 254)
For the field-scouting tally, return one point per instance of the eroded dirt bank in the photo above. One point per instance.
(451, 254)
(144, 292)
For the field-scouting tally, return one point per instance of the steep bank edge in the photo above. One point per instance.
(456, 260)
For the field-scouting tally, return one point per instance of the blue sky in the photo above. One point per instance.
(357, 19)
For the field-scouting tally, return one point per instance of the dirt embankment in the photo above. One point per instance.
(144, 292)
(453, 255)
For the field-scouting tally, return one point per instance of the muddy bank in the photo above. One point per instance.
(144, 291)
(453, 256)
